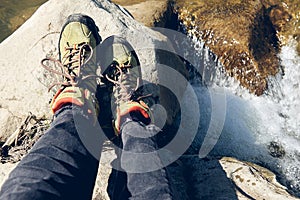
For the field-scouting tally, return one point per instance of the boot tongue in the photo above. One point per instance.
(120, 56)
(78, 37)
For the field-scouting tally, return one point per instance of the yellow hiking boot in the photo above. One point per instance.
(125, 74)
(78, 39)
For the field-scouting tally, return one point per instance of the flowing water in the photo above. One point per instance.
(284, 115)
(265, 129)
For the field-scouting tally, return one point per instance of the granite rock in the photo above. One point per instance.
(22, 82)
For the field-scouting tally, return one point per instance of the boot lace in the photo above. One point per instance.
(124, 81)
(76, 58)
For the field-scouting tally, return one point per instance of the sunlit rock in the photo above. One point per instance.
(22, 79)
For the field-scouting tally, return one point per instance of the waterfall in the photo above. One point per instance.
(265, 129)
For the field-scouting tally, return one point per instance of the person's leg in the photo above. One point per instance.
(63, 164)
(146, 176)
(139, 158)
(58, 166)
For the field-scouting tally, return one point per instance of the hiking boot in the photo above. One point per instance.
(125, 74)
(78, 39)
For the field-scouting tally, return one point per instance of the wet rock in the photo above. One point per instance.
(276, 149)
(229, 178)
(252, 181)
(288, 23)
(225, 178)
(243, 35)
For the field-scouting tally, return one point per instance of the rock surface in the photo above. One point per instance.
(150, 13)
(22, 85)
(253, 181)
(194, 178)
(23, 82)
(229, 178)
(16, 12)
(242, 34)
(5, 169)
(290, 29)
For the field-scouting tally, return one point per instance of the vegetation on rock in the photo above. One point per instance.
(245, 35)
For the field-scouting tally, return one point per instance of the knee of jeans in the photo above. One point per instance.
(139, 130)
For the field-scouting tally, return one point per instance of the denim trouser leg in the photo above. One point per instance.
(146, 178)
(58, 166)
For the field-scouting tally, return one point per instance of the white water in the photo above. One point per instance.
(289, 105)
(252, 122)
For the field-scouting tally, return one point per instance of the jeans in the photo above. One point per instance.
(61, 166)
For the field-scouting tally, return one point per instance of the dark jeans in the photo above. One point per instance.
(60, 166)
